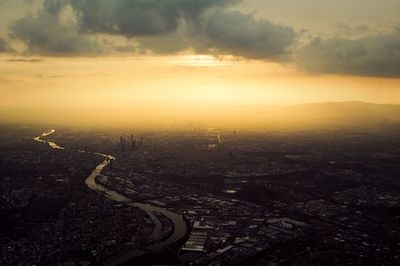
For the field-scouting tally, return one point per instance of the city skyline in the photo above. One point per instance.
(199, 132)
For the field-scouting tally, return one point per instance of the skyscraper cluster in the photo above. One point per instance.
(130, 143)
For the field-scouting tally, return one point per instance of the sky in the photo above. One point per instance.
(186, 56)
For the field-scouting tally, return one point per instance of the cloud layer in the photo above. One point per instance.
(168, 26)
(45, 34)
(239, 34)
(92, 27)
(134, 18)
(377, 55)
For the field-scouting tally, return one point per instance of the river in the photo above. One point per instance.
(180, 227)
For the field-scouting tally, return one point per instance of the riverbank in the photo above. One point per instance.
(180, 228)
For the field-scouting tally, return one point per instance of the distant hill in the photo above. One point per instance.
(348, 113)
(322, 115)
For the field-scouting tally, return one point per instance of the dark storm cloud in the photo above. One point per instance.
(133, 18)
(159, 26)
(377, 55)
(235, 33)
(54, 6)
(207, 25)
(46, 34)
(219, 32)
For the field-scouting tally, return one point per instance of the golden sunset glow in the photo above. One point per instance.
(120, 82)
(221, 60)
(176, 88)
(199, 132)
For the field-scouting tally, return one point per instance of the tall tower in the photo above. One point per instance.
(133, 143)
(234, 135)
(141, 142)
(121, 139)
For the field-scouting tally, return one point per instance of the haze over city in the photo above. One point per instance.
(199, 132)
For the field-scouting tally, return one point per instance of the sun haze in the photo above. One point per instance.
(198, 60)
